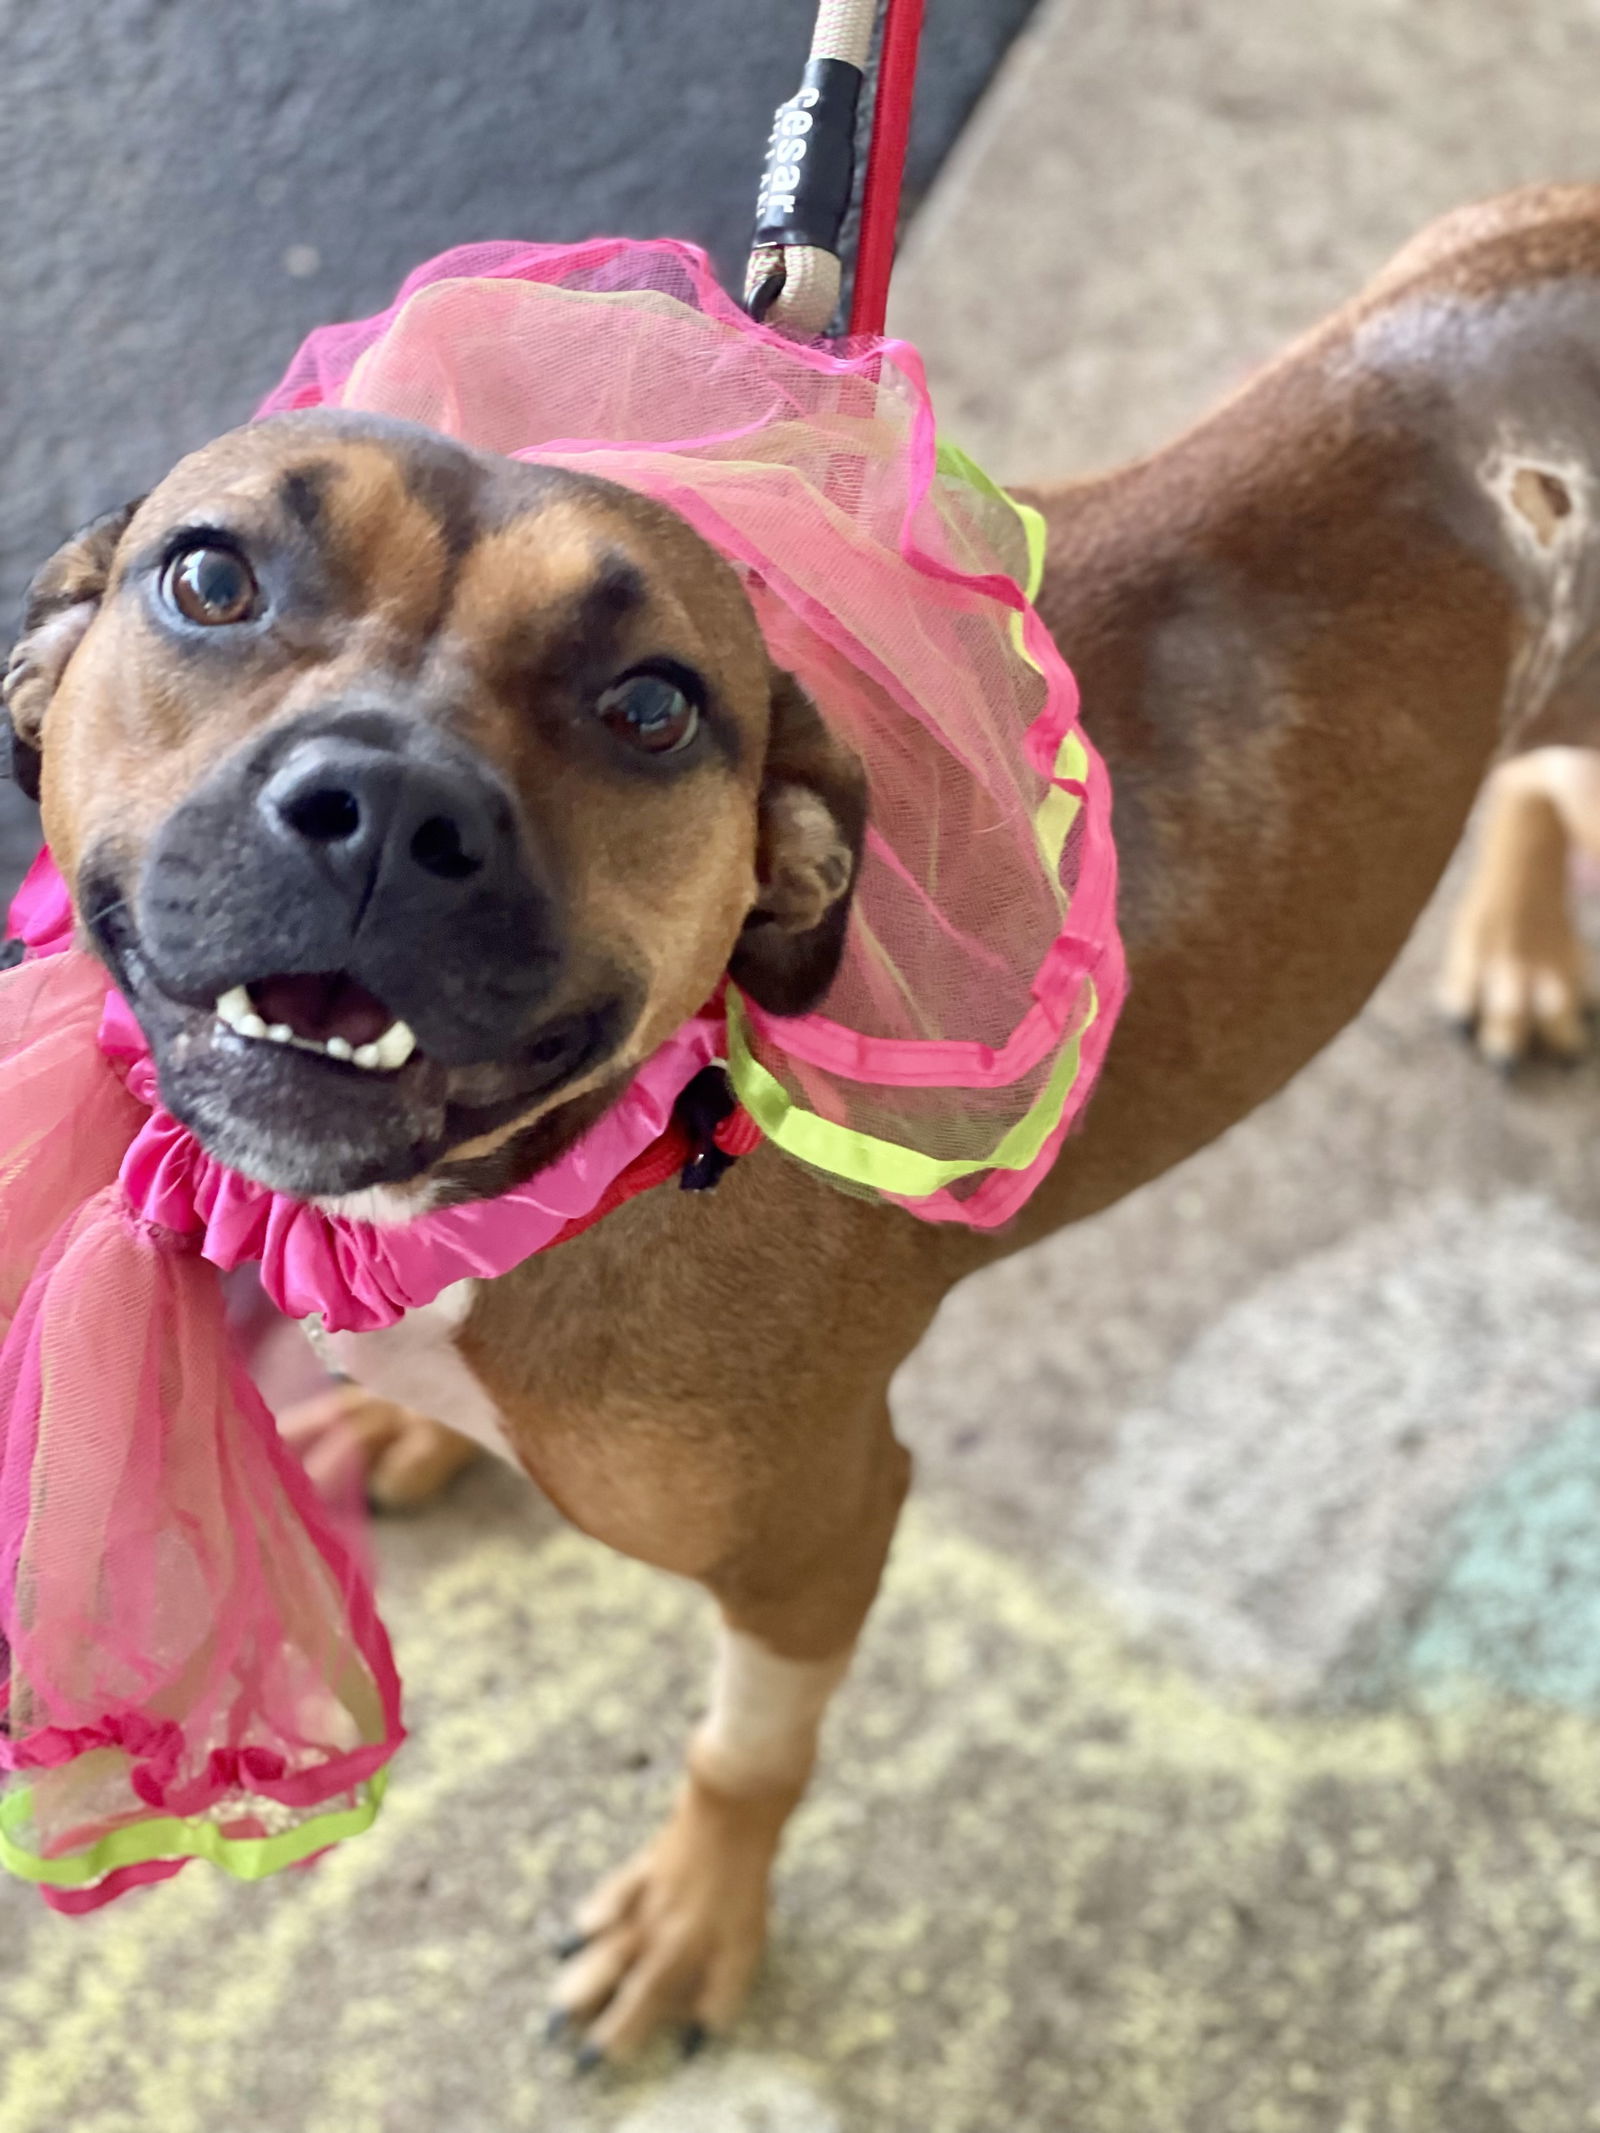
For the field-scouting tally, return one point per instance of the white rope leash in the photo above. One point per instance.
(811, 277)
(844, 31)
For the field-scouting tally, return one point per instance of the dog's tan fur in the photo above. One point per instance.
(1302, 634)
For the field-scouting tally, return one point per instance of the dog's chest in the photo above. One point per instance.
(417, 1364)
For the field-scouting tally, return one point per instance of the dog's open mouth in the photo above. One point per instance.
(328, 1012)
(321, 1082)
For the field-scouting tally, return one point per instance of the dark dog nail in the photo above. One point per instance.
(695, 2039)
(589, 2057)
(569, 1945)
(556, 2026)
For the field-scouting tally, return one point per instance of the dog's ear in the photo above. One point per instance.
(813, 821)
(59, 606)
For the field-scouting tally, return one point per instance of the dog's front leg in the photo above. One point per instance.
(676, 1934)
(1515, 971)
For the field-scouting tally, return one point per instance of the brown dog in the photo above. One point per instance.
(330, 661)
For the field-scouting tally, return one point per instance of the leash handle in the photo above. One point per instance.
(794, 273)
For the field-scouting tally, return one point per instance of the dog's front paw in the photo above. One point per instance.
(404, 1459)
(1516, 979)
(1515, 974)
(676, 1934)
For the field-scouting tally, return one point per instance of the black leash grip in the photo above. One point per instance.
(805, 187)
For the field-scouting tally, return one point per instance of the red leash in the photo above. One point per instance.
(886, 164)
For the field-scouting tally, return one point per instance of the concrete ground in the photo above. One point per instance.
(1221, 1757)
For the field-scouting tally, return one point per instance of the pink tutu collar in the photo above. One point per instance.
(191, 1661)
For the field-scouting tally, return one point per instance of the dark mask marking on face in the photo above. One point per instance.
(303, 494)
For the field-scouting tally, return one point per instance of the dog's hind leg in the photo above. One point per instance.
(1515, 971)
(677, 1933)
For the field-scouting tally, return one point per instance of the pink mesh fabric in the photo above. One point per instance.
(182, 1630)
(979, 951)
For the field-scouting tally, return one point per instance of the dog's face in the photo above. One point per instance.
(413, 796)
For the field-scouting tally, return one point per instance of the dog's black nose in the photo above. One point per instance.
(370, 811)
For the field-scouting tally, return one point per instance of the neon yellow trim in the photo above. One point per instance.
(170, 1837)
(951, 460)
(1058, 810)
(880, 1165)
(862, 1158)
(1034, 532)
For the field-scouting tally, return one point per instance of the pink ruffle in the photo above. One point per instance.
(357, 1276)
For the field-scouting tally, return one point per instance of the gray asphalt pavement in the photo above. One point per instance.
(186, 189)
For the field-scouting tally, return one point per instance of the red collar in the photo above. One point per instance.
(707, 1134)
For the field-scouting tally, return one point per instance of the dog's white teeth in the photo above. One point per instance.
(233, 1007)
(385, 1054)
(393, 1048)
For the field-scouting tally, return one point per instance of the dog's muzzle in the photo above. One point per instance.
(355, 841)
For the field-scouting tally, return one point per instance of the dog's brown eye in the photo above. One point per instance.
(651, 713)
(211, 586)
